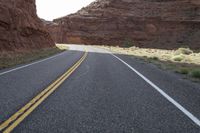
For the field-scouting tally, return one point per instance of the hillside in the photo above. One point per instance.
(148, 23)
(20, 28)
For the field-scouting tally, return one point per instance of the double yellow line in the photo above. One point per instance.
(19, 116)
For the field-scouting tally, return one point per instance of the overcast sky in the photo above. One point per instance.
(51, 9)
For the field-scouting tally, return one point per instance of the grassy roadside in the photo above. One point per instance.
(183, 60)
(9, 59)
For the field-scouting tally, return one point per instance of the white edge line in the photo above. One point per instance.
(170, 99)
(18, 68)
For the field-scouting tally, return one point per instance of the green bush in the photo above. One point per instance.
(178, 58)
(127, 43)
(183, 71)
(154, 58)
(185, 51)
(195, 73)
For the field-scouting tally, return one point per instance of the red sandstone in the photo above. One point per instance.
(153, 23)
(20, 28)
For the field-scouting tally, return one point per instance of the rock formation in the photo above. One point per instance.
(20, 28)
(148, 23)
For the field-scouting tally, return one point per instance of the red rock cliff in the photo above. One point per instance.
(20, 28)
(149, 23)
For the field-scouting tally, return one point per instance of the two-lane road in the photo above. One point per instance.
(105, 94)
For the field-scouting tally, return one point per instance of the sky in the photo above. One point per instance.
(51, 9)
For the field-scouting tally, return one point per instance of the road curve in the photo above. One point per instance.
(102, 95)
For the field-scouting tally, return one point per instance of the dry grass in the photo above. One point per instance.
(182, 60)
(62, 46)
(164, 55)
(185, 51)
(9, 59)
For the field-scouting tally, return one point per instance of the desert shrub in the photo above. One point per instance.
(183, 71)
(178, 58)
(127, 43)
(154, 58)
(195, 73)
(185, 51)
(144, 56)
(133, 48)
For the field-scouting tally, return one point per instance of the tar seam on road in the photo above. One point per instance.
(12, 122)
(36, 62)
(170, 99)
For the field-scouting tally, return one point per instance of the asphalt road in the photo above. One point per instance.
(102, 96)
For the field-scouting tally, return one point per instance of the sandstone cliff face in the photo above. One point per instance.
(149, 23)
(20, 28)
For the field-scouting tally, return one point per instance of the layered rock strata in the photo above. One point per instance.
(148, 23)
(20, 28)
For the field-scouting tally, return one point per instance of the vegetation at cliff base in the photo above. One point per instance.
(9, 59)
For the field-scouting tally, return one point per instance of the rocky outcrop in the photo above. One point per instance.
(148, 23)
(20, 28)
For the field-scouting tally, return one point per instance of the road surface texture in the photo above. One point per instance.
(103, 95)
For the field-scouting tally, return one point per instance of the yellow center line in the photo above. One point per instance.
(20, 115)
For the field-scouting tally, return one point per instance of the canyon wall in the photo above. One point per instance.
(20, 28)
(148, 23)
